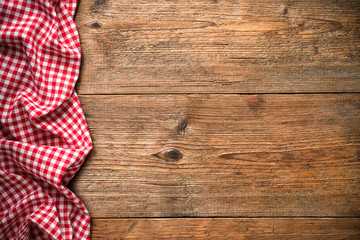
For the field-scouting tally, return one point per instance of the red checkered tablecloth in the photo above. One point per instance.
(44, 138)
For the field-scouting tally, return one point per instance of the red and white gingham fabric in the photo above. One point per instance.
(44, 138)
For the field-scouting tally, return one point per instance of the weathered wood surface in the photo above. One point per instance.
(272, 157)
(222, 155)
(227, 228)
(238, 46)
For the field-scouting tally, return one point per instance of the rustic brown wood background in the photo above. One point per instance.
(221, 119)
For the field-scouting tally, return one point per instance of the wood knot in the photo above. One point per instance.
(95, 25)
(97, 6)
(171, 154)
(254, 101)
(99, 2)
(174, 154)
(316, 50)
(182, 126)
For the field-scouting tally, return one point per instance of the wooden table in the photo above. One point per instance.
(221, 119)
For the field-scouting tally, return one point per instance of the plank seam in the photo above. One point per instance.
(232, 217)
(216, 93)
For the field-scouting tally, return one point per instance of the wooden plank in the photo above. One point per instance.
(239, 46)
(222, 155)
(225, 228)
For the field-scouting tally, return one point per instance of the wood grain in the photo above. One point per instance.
(225, 228)
(205, 155)
(219, 46)
(167, 151)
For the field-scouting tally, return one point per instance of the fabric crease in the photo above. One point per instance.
(44, 138)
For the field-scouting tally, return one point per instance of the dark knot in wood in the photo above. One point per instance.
(174, 154)
(99, 2)
(285, 10)
(171, 154)
(95, 25)
(182, 126)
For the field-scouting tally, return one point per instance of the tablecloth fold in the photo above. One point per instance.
(44, 138)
